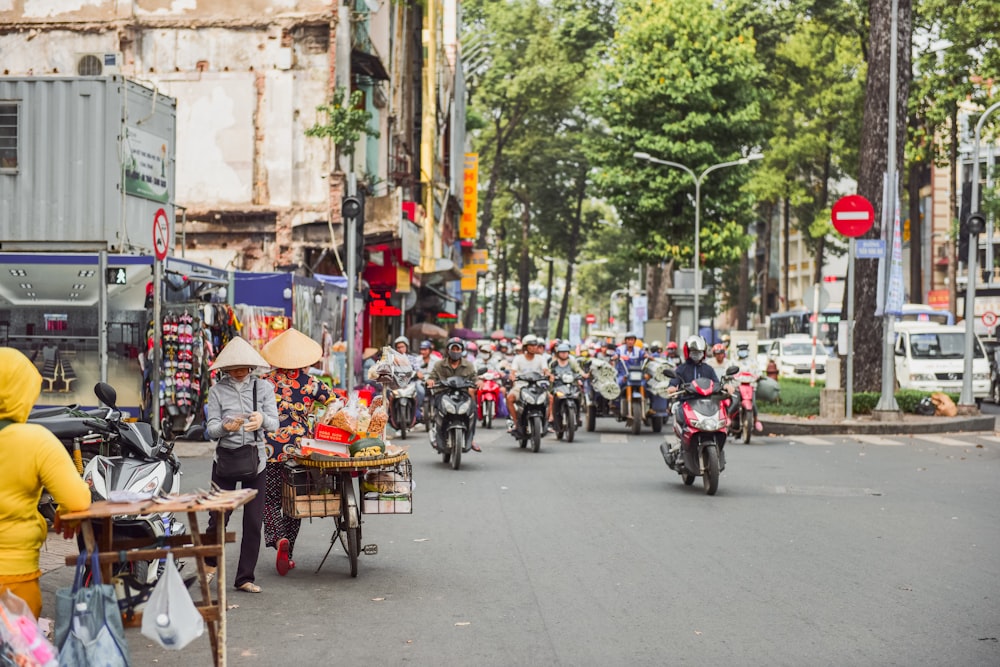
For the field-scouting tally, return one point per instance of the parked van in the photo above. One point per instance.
(931, 357)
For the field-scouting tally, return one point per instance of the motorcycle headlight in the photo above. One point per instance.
(450, 407)
(708, 424)
(560, 394)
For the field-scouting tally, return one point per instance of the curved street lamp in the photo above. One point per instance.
(698, 178)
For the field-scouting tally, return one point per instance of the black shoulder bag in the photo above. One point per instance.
(239, 463)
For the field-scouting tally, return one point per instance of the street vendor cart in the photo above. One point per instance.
(324, 487)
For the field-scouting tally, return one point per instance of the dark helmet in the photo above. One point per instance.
(695, 348)
(455, 354)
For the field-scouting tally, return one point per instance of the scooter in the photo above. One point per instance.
(146, 467)
(632, 406)
(656, 389)
(403, 408)
(488, 397)
(700, 424)
(742, 422)
(454, 419)
(565, 403)
(532, 405)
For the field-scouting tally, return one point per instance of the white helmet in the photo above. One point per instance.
(695, 348)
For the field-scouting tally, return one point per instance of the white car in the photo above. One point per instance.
(931, 357)
(794, 355)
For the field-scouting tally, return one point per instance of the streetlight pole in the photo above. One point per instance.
(698, 179)
(975, 228)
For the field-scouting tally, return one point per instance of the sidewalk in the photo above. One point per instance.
(867, 425)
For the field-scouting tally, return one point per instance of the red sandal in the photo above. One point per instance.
(282, 563)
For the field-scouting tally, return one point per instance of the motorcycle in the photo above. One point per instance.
(656, 388)
(601, 391)
(742, 422)
(565, 403)
(146, 467)
(454, 417)
(403, 408)
(632, 404)
(488, 396)
(700, 424)
(532, 405)
(77, 429)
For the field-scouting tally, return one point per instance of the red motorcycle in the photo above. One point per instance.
(700, 423)
(488, 397)
(742, 422)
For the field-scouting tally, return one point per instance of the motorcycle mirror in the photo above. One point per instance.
(669, 372)
(106, 394)
(732, 370)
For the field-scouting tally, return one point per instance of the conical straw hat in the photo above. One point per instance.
(238, 353)
(292, 349)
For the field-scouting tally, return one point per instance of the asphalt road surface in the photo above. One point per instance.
(816, 551)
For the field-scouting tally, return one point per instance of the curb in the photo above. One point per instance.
(866, 427)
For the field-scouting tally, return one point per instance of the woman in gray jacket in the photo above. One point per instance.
(240, 407)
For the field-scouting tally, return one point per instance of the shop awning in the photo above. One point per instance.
(368, 65)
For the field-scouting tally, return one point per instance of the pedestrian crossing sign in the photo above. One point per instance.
(116, 276)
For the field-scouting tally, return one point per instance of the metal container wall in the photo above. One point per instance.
(66, 193)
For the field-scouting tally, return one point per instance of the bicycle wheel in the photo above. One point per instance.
(350, 537)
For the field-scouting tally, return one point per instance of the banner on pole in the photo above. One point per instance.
(895, 295)
(639, 304)
(574, 328)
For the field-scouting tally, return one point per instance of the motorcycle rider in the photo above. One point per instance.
(748, 364)
(671, 355)
(629, 351)
(402, 345)
(655, 350)
(719, 363)
(692, 368)
(529, 362)
(560, 361)
(694, 365)
(455, 364)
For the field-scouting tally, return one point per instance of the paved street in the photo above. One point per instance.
(828, 550)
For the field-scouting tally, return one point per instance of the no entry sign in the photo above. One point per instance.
(853, 215)
(161, 231)
(590, 318)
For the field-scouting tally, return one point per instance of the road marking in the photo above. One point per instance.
(834, 491)
(877, 440)
(810, 440)
(950, 442)
(613, 439)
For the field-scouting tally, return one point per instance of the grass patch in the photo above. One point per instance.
(797, 398)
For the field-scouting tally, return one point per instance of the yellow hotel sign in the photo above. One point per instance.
(470, 197)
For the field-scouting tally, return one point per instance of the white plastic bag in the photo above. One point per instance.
(170, 617)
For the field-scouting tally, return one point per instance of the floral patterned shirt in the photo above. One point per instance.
(296, 392)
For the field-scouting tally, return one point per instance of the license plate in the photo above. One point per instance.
(635, 376)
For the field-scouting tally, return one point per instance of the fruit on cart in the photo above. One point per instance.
(367, 447)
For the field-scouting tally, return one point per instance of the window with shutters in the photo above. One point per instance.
(8, 136)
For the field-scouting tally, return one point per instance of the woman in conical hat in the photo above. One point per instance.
(240, 406)
(297, 391)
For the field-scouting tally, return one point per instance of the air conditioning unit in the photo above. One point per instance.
(98, 64)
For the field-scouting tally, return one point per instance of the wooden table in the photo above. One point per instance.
(194, 544)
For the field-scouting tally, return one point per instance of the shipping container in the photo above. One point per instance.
(86, 164)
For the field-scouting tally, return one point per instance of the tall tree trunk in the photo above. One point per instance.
(501, 316)
(571, 250)
(744, 292)
(917, 174)
(547, 310)
(787, 216)
(524, 270)
(952, 209)
(659, 278)
(764, 271)
(868, 338)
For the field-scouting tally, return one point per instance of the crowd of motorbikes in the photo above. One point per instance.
(121, 458)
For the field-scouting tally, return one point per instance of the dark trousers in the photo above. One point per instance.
(253, 517)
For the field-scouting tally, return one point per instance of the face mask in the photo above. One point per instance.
(742, 354)
(696, 355)
(454, 355)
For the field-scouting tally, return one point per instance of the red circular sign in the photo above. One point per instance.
(590, 319)
(853, 215)
(989, 318)
(161, 231)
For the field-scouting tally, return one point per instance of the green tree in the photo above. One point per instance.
(682, 82)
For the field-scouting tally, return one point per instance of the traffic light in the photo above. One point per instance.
(976, 224)
(353, 206)
(115, 276)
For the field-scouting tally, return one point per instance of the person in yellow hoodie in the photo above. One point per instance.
(32, 458)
